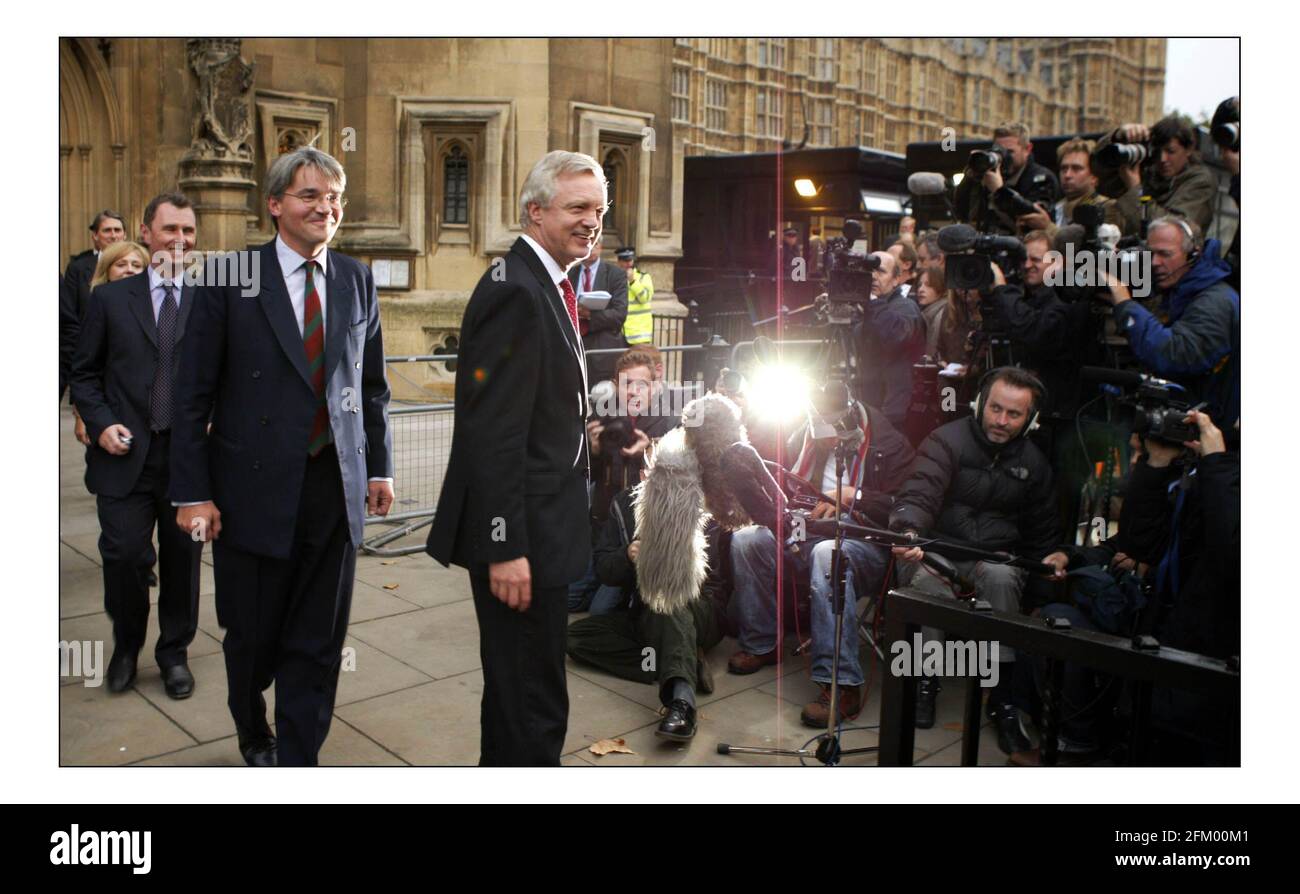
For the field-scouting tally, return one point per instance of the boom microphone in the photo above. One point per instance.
(957, 238)
(926, 183)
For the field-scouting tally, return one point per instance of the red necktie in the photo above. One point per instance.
(570, 300)
(586, 279)
(313, 339)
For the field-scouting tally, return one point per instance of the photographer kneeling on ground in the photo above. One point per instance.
(619, 436)
(979, 480)
(879, 461)
(1195, 340)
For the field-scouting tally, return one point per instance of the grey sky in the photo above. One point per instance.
(1201, 72)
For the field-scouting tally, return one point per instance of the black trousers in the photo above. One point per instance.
(525, 709)
(126, 526)
(286, 619)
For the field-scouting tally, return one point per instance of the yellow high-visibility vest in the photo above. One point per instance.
(639, 327)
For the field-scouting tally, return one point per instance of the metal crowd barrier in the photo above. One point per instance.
(907, 610)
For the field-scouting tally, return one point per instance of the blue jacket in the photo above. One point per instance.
(1196, 339)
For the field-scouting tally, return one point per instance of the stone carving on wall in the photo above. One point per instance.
(223, 122)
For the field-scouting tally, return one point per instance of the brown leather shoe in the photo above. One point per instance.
(743, 663)
(815, 714)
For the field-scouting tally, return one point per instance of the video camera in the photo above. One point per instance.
(848, 272)
(1158, 407)
(968, 253)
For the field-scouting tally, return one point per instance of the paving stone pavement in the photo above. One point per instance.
(412, 697)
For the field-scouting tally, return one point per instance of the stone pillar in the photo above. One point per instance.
(217, 172)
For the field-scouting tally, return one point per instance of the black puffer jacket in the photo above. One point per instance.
(964, 487)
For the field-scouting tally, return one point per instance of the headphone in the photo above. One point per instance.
(986, 385)
(1191, 237)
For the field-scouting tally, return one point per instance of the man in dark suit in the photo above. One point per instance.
(600, 328)
(513, 509)
(290, 372)
(74, 289)
(123, 384)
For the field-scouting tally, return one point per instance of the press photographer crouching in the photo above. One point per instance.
(980, 481)
(1003, 183)
(891, 338)
(1193, 337)
(626, 418)
(1160, 162)
(879, 461)
(1173, 570)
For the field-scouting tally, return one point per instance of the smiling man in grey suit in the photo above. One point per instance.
(292, 378)
(513, 509)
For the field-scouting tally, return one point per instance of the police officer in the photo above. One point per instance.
(977, 198)
(639, 328)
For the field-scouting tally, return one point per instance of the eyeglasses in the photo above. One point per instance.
(336, 199)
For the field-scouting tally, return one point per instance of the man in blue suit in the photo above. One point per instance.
(292, 379)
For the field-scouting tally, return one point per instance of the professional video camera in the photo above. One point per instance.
(1158, 405)
(967, 254)
(1225, 126)
(848, 272)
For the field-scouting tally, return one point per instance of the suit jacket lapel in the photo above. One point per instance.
(339, 292)
(275, 302)
(142, 306)
(183, 314)
(553, 299)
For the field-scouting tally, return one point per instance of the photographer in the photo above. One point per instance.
(979, 480)
(619, 435)
(619, 642)
(987, 198)
(1180, 542)
(1174, 177)
(891, 337)
(1078, 187)
(1195, 339)
(879, 461)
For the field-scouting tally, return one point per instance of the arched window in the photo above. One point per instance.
(455, 186)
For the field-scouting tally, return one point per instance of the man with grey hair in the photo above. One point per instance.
(513, 509)
(298, 453)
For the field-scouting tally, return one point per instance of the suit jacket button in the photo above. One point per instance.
(257, 374)
(257, 464)
(356, 409)
(357, 365)
(262, 420)
(358, 450)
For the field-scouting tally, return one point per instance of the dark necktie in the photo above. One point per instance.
(313, 339)
(570, 300)
(160, 395)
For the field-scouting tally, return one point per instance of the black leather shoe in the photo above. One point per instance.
(121, 671)
(259, 752)
(679, 724)
(926, 692)
(1011, 735)
(178, 681)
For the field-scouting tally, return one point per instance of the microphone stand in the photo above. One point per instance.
(828, 750)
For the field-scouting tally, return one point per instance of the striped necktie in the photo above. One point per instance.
(313, 339)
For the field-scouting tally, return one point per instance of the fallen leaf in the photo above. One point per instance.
(390, 586)
(387, 562)
(610, 746)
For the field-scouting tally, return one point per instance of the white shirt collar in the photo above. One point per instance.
(552, 268)
(156, 279)
(291, 261)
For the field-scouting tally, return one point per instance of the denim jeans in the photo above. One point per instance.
(588, 594)
(754, 601)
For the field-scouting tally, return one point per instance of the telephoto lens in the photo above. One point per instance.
(1122, 154)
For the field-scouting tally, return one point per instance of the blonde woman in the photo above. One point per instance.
(117, 261)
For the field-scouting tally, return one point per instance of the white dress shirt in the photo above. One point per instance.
(557, 276)
(156, 291)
